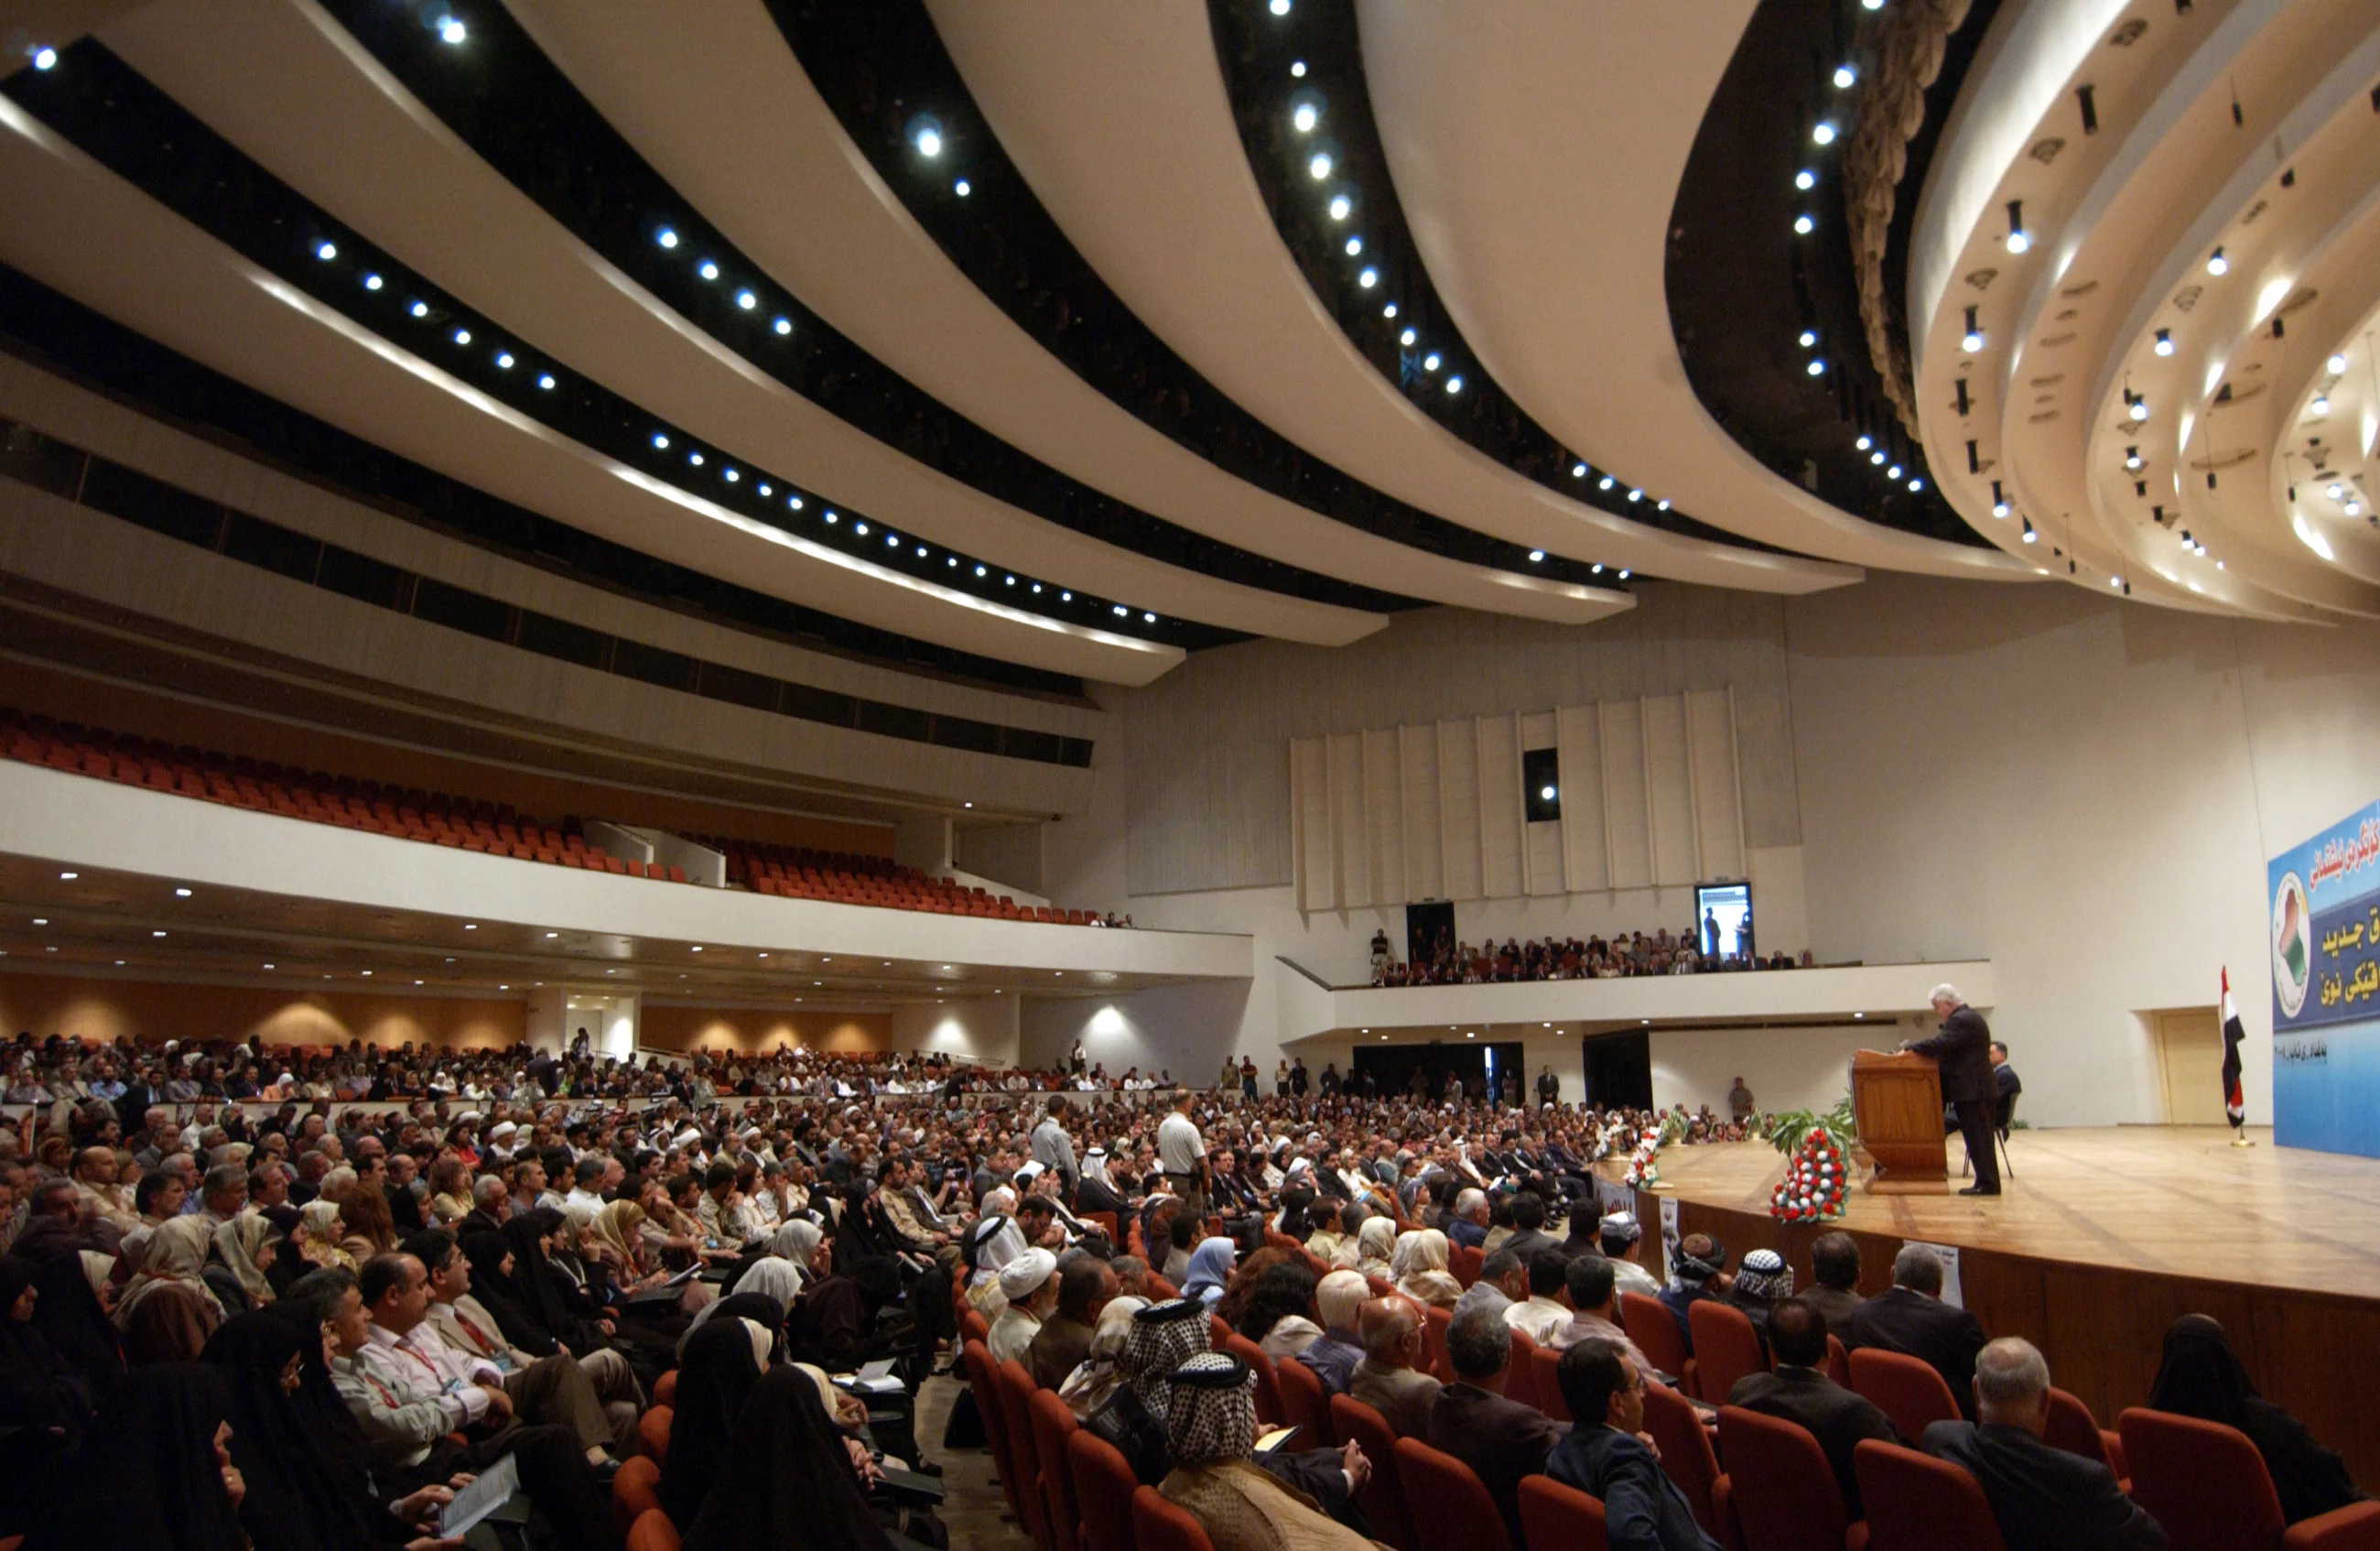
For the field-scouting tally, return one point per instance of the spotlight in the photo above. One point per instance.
(1817, 367)
(1865, 443)
(2164, 345)
(1148, 619)
(1368, 278)
(1340, 207)
(1871, 4)
(1297, 69)
(1603, 483)
(860, 529)
(2319, 404)
(46, 58)
(666, 237)
(1407, 337)
(2337, 365)
(419, 309)
(2336, 491)
(1536, 557)
(793, 503)
(1973, 340)
(1635, 495)
(962, 187)
(1303, 117)
(783, 326)
(2017, 239)
(1823, 132)
(1809, 337)
(462, 337)
(695, 458)
(929, 141)
(546, 381)
(504, 359)
(1999, 501)
(1916, 485)
(1578, 471)
(1805, 179)
(746, 300)
(2030, 537)
(1279, 7)
(1661, 506)
(451, 30)
(1354, 246)
(2216, 264)
(1845, 75)
(1454, 384)
(708, 270)
(1876, 458)
(729, 475)
(1319, 168)
(372, 281)
(326, 251)
(1429, 362)
(1893, 472)
(2133, 459)
(1623, 573)
(1389, 311)
(1803, 226)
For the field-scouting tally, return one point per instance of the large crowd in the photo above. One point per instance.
(288, 1325)
(1448, 962)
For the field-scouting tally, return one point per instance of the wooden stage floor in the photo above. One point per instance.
(2174, 1201)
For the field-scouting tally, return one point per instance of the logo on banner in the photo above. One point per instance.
(2292, 944)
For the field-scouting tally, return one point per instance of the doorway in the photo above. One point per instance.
(1429, 931)
(2190, 1061)
(1619, 1069)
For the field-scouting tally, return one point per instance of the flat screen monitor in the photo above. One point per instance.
(1723, 917)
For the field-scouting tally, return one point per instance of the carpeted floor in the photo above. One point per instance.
(974, 1507)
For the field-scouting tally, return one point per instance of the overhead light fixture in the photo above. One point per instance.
(1368, 278)
(2133, 459)
(962, 187)
(1454, 384)
(1297, 69)
(1999, 501)
(181, 894)
(1893, 472)
(1805, 180)
(1865, 443)
(1354, 246)
(46, 58)
(1303, 117)
(451, 30)
(1803, 226)
(2337, 365)
(1817, 367)
(1389, 311)
(1340, 207)
(1916, 485)
(1809, 337)
(1429, 362)
(1578, 471)
(1407, 339)
(929, 142)
(2029, 536)
(1823, 132)
(2216, 264)
(2319, 404)
(1536, 557)
(666, 237)
(1319, 166)
(2164, 345)
(1279, 7)
(708, 270)
(1604, 483)
(2017, 239)
(1973, 340)
(1845, 75)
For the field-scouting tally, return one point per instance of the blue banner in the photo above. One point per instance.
(2325, 936)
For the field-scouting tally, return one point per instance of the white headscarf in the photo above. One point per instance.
(796, 1241)
(1095, 1378)
(776, 1278)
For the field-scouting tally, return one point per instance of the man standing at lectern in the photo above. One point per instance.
(1962, 1051)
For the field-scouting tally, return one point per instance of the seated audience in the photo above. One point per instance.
(1333, 1354)
(1911, 1317)
(1608, 1453)
(1834, 1276)
(1275, 1318)
(1501, 1440)
(1620, 1235)
(1085, 1288)
(2043, 1498)
(1390, 1379)
(1592, 1284)
(1701, 1260)
(1419, 1264)
(1547, 1312)
(2200, 1375)
(1762, 1281)
(1096, 1377)
(1210, 1431)
(1799, 1392)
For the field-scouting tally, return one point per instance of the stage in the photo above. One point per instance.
(2103, 1237)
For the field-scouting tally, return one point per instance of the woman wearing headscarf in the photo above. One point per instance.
(722, 1363)
(538, 1286)
(2200, 1375)
(1096, 1377)
(162, 1480)
(789, 1481)
(43, 1402)
(1419, 1266)
(296, 1499)
(833, 1322)
(237, 1258)
(754, 1308)
(1210, 1268)
(492, 1264)
(70, 1312)
(771, 1277)
(1374, 1242)
(167, 1311)
(1210, 1429)
(320, 1235)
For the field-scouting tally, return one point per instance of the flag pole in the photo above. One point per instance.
(2235, 1106)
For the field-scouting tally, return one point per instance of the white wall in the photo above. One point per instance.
(1785, 1068)
(981, 1030)
(2080, 790)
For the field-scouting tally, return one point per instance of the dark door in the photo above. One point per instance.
(1429, 930)
(1619, 1069)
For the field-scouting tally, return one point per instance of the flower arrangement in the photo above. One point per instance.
(1817, 1169)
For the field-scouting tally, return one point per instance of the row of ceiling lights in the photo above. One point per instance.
(1306, 110)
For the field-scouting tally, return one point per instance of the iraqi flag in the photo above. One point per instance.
(2234, 1104)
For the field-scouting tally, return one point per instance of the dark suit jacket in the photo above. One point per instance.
(1643, 1509)
(2044, 1499)
(1500, 1440)
(1055, 1350)
(1962, 1050)
(1944, 1337)
(1529, 1243)
(1464, 1231)
(1837, 1305)
(1834, 1416)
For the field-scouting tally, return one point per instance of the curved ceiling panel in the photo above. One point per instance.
(801, 199)
(2138, 278)
(113, 247)
(293, 90)
(1118, 118)
(1537, 146)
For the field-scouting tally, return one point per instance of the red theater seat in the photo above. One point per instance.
(1382, 1497)
(1905, 1389)
(1915, 1502)
(2208, 1486)
(1558, 1518)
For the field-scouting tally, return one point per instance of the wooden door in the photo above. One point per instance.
(2189, 1053)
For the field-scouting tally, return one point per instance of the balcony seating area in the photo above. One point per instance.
(796, 873)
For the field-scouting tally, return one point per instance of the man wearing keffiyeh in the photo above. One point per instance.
(1210, 1429)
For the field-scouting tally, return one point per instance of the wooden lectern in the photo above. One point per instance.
(1897, 1103)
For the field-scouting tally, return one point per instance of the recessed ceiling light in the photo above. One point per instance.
(156, 933)
(666, 238)
(68, 877)
(1845, 75)
(181, 894)
(696, 948)
(1805, 179)
(1803, 225)
(2337, 365)
(1823, 132)
(1817, 367)
(1319, 166)
(1342, 207)
(2320, 404)
(929, 141)
(46, 58)
(1368, 278)
(268, 966)
(1537, 555)
(554, 934)
(1303, 117)
(1809, 337)
(451, 30)
(40, 921)
(373, 282)
(326, 251)
(470, 926)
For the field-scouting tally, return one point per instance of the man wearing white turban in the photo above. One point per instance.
(1029, 1282)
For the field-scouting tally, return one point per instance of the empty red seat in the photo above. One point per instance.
(1905, 1389)
(1450, 1509)
(1726, 1347)
(1158, 1525)
(1915, 1502)
(1558, 1518)
(1777, 1493)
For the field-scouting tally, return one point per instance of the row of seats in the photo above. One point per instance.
(265, 787)
(1776, 1492)
(796, 874)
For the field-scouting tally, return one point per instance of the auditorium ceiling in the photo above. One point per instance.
(1067, 338)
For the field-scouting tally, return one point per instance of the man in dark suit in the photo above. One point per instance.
(1799, 1392)
(2044, 1498)
(1834, 1280)
(1500, 1440)
(1962, 1050)
(1911, 1317)
(1609, 1455)
(1529, 1239)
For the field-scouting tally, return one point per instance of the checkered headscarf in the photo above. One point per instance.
(1164, 1336)
(1214, 1412)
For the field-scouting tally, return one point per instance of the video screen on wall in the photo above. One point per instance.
(1723, 917)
